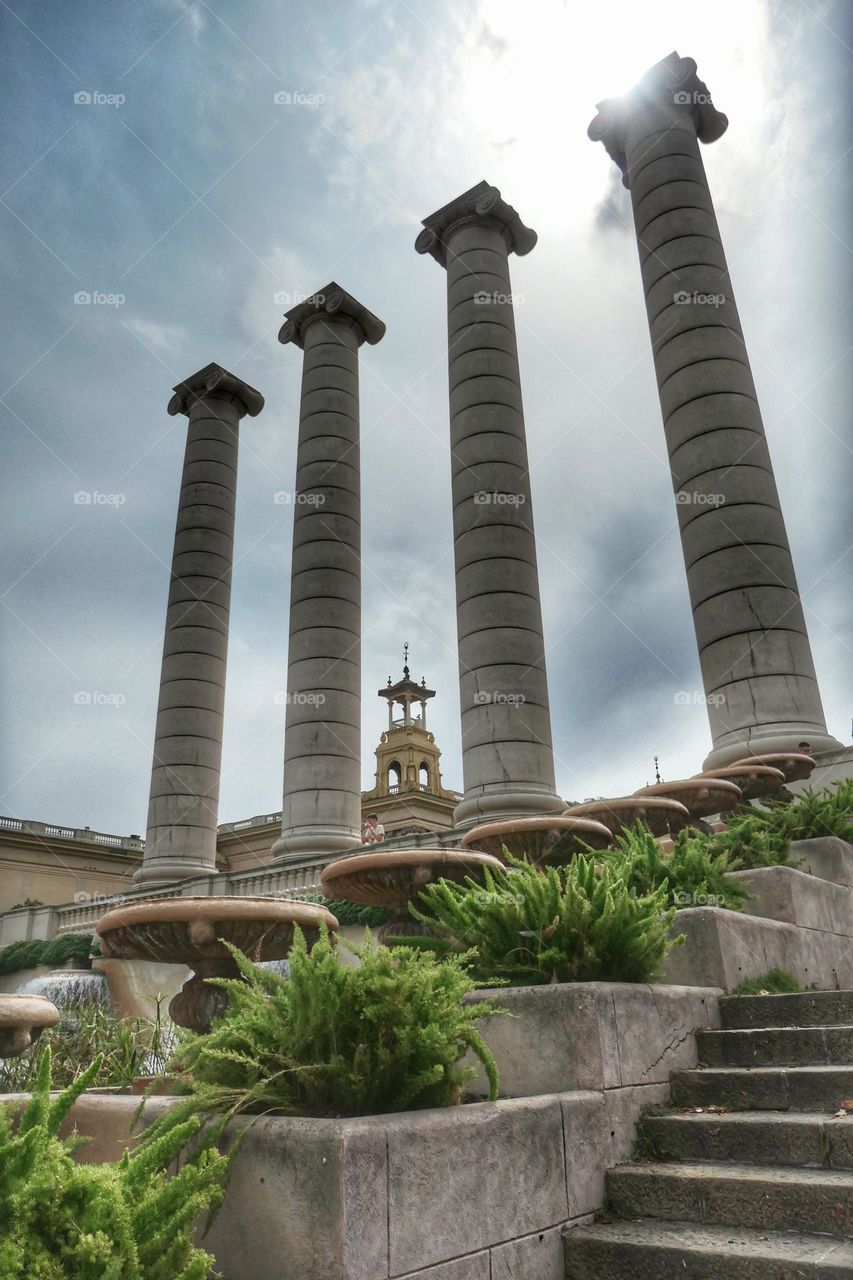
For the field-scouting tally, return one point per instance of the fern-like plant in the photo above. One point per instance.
(525, 925)
(761, 837)
(335, 1039)
(695, 872)
(60, 1220)
(346, 913)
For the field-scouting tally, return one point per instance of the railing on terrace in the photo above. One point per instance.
(27, 826)
(282, 882)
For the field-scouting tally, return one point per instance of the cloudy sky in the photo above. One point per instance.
(191, 201)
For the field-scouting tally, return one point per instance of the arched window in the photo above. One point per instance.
(394, 776)
(423, 776)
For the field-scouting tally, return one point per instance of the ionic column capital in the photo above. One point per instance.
(332, 302)
(483, 204)
(672, 87)
(214, 382)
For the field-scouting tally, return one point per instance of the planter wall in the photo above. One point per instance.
(800, 919)
(461, 1193)
(593, 1035)
(477, 1192)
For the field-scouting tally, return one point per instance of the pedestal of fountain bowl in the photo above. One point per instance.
(701, 797)
(661, 815)
(193, 931)
(22, 1020)
(550, 840)
(395, 878)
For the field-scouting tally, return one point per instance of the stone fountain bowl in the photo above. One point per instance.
(394, 879)
(660, 815)
(548, 841)
(192, 931)
(22, 1020)
(795, 766)
(701, 797)
(754, 780)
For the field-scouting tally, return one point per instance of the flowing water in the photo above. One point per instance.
(68, 989)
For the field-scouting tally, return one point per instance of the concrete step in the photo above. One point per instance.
(751, 1137)
(652, 1250)
(777, 1046)
(803, 1009)
(763, 1088)
(739, 1195)
(826, 857)
(787, 893)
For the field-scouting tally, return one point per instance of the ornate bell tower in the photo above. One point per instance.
(408, 794)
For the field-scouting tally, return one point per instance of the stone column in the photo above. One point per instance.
(182, 812)
(321, 809)
(507, 759)
(754, 651)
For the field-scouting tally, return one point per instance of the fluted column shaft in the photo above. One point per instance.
(321, 808)
(184, 798)
(759, 678)
(507, 757)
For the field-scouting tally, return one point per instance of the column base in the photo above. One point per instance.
(489, 806)
(164, 871)
(314, 843)
(757, 744)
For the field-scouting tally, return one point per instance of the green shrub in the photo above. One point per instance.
(353, 912)
(761, 837)
(27, 955)
(60, 1220)
(68, 946)
(124, 1047)
(335, 1039)
(580, 923)
(775, 982)
(695, 873)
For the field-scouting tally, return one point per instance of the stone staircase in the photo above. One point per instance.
(762, 1190)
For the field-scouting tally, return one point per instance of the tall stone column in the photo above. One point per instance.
(321, 809)
(756, 662)
(507, 759)
(182, 811)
